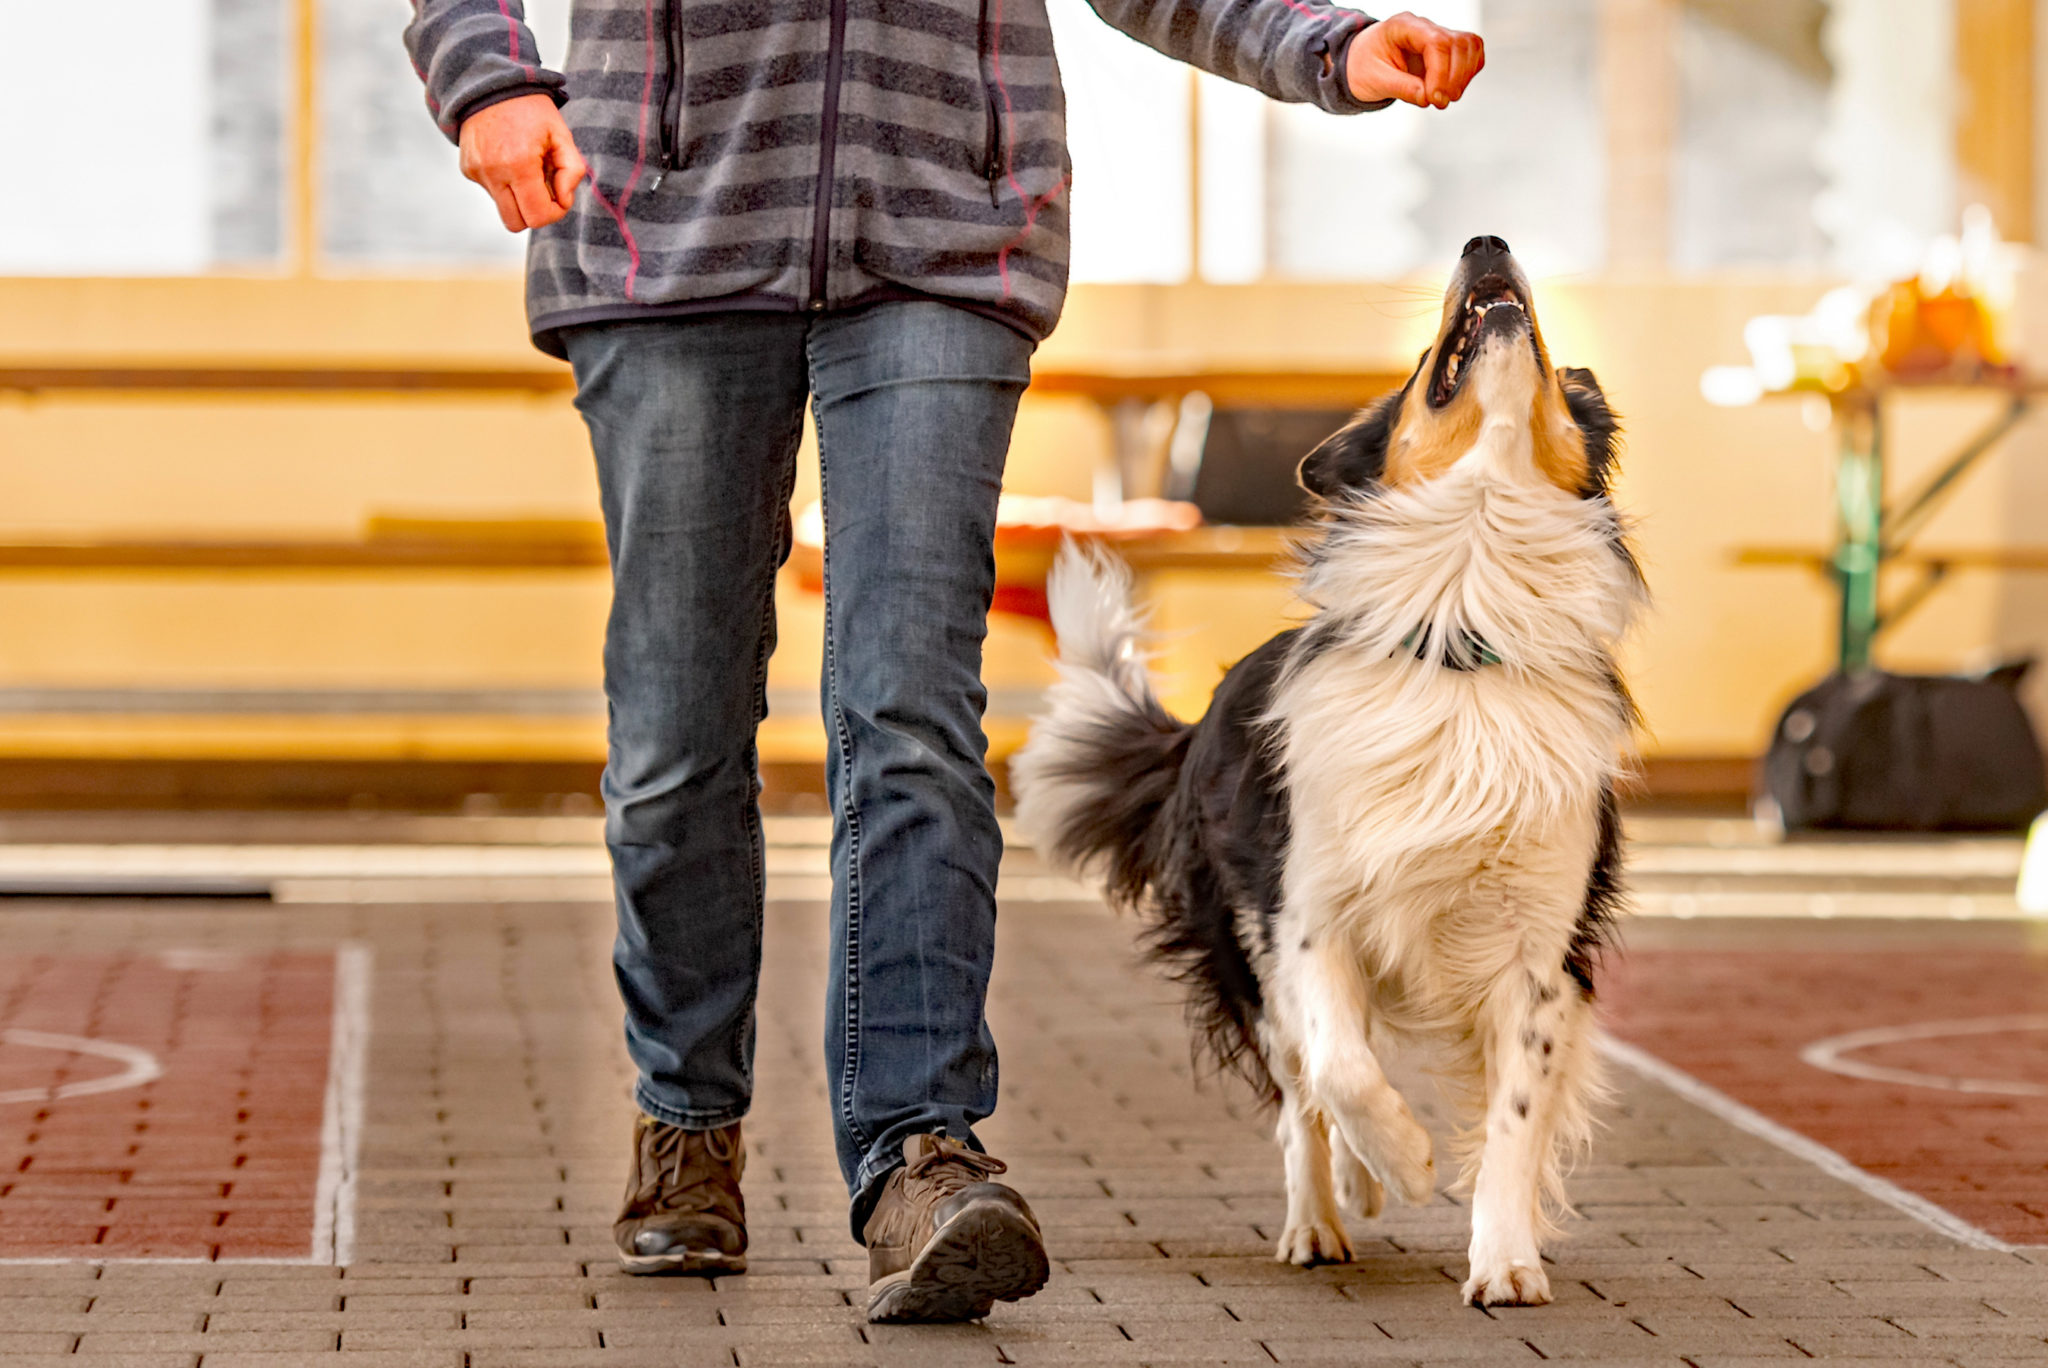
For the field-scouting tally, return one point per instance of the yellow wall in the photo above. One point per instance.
(1725, 647)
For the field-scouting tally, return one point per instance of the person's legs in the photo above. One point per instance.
(695, 424)
(914, 404)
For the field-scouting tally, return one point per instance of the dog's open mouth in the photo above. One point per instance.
(1493, 305)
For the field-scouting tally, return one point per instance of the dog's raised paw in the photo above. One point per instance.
(1405, 1163)
(1393, 1146)
(1357, 1190)
(1508, 1284)
(1307, 1243)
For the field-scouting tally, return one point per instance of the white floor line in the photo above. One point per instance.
(341, 1124)
(1743, 1118)
(138, 1066)
(1829, 1054)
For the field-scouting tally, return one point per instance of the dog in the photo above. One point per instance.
(1396, 822)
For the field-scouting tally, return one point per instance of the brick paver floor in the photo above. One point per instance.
(493, 1152)
(219, 1157)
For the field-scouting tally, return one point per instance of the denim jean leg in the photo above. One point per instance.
(914, 405)
(695, 424)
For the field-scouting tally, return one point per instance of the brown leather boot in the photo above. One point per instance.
(683, 1212)
(945, 1243)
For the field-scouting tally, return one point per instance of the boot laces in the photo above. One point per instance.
(675, 1176)
(949, 1166)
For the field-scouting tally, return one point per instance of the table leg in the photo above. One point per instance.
(1859, 513)
(1141, 431)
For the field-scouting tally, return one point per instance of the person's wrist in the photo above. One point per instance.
(1364, 68)
(1341, 58)
(509, 95)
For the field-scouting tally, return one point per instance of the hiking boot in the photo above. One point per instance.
(683, 1212)
(945, 1243)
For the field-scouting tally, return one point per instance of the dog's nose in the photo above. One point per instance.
(1492, 246)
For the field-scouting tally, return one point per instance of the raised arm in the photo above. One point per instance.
(1308, 51)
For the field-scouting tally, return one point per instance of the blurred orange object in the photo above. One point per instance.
(1028, 534)
(1921, 336)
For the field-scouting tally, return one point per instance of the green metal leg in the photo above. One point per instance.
(1859, 511)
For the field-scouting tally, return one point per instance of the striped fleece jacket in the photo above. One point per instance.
(802, 155)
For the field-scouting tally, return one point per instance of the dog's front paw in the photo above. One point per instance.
(1402, 1159)
(1307, 1243)
(1357, 1190)
(1388, 1139)
(1503, 1282)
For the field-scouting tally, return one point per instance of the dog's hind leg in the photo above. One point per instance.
(1536, 1033)
(1315, 1226)
(1322, 990)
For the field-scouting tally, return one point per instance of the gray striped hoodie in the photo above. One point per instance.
(802, 155)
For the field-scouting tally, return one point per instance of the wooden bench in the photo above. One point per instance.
(388, 544)
(1943, 559)
(1933, 564)
(1276, 388)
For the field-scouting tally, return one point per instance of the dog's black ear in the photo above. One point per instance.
(1354, 457)
(1597, 424)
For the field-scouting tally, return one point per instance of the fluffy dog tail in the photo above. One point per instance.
(1102, 763)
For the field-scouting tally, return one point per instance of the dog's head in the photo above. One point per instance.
(1488, 365)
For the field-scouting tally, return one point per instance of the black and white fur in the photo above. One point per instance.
(1360, 843)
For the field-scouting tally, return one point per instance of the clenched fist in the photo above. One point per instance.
(520, 150)
(1409, 58)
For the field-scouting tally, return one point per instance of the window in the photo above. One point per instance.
(250, 122)
(1814, 133)
(1804, 134)
(1526, 159)
(390, 194)
(1287, 191)
(1129, 113)
(133, 86)
(1888, 149)
(1753, 101)
(1706, 135)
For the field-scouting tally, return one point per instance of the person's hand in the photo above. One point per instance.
(1409, 58)
(521, 151)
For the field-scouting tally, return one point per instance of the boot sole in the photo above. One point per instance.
(694, 1263)
(987, 1253)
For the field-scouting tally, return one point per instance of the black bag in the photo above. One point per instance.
(1248, 462)
(1890, 752)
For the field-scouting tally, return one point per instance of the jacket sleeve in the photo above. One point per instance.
(475, 53)
(1292, 50)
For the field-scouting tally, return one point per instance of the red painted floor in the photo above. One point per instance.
(217, 1158)
(1739, 1019)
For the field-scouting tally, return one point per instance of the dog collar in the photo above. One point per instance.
(1467, 653)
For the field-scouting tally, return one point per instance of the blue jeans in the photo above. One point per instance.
(695, 422)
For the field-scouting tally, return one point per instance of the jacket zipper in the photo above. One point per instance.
(671, 91)
(828, 139)
(992, 139)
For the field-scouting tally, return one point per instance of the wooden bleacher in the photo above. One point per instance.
(161, 754)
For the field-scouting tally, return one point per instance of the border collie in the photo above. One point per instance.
(1396, 822)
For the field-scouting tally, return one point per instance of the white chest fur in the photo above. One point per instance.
(1421, 794)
